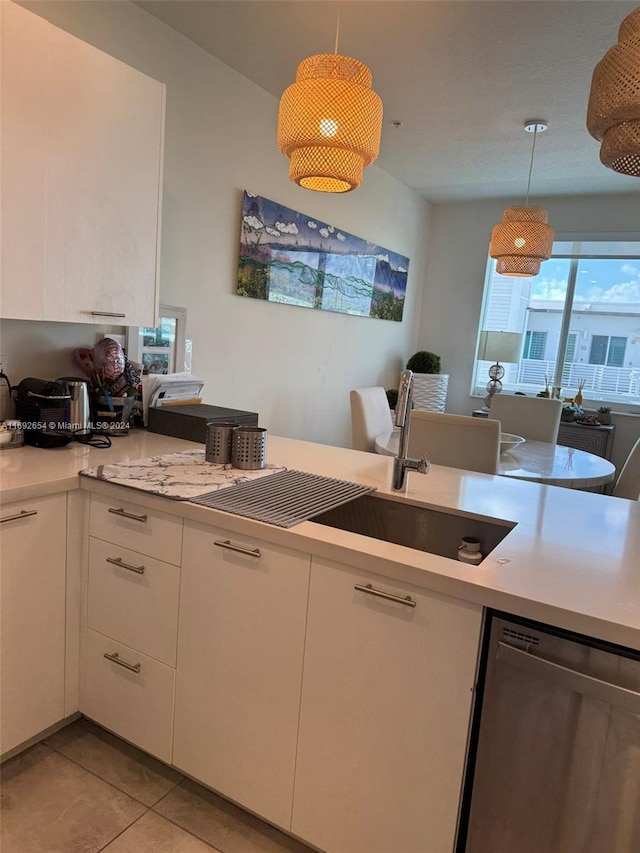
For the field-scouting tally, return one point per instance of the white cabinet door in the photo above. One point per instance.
(81, 179)
(386, 704)
(23, 58)
(32, 627)
(240, 648)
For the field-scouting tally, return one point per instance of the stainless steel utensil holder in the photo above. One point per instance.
(249, 448)
(218, 442)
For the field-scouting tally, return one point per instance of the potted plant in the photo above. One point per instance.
(568, 413)
(429, 385)
(604, 415)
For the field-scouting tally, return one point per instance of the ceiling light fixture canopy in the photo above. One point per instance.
(613, 114)
(523, 239)
(329, 123)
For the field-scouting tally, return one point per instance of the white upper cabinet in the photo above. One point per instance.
(81, 179)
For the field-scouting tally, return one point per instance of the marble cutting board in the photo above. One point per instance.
(180, 476)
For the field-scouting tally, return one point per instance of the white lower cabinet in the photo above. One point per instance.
(32, 619)
(240, 647)
(134, 598)
(386, 703)
(333, 702)
(128, 673)
(129, 693)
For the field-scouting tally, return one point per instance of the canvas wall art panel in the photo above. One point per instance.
(288, 257)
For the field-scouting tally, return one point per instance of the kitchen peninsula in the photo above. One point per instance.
(285, 747)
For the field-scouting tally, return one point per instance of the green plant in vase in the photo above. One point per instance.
(429, 385)
(424, 362)
(604, 415)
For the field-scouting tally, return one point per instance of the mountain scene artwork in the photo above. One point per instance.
(292, 258)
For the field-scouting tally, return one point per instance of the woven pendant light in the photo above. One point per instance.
(329, 123)
(613, 114)
(523, 239)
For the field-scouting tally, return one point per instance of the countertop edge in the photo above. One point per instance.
(430, 572)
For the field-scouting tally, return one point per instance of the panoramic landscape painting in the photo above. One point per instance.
(295, 259)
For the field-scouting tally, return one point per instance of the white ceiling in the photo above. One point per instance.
(461, 75)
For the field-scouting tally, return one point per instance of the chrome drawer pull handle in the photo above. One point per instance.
(118, 561)
(24, 513)
(226, 543)
(121, 511)
(371, 590)
(115, 658)
(107, 314)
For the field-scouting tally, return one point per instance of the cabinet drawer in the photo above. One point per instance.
(137, 528)
(133, 598)
(138, 706)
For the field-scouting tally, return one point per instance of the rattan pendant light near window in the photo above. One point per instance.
(329, 123)
(613, 114)
(523, 239)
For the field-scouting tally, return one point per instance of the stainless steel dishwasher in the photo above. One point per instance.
(557, 765)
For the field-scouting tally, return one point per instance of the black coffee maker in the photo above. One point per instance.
(43, 407)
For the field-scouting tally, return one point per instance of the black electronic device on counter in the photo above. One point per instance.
(190, 422)
(43, 408)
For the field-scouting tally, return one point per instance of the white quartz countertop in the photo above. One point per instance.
(572, 559)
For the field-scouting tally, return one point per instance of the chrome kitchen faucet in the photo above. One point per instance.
(402, 464)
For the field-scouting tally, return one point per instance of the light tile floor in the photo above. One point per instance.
(82, 790)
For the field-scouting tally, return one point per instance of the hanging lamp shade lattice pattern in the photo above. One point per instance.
(613, 114)
(521, 241)
(329, 123)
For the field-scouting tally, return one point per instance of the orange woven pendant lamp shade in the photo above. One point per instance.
(523, 239)
(329, 123)
(613, 114)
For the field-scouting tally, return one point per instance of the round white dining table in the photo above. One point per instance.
(537, 461)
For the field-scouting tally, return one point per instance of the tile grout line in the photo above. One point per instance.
(71, 761)
(117, 835)
(204, 840)
(106, 781)
(166, 817)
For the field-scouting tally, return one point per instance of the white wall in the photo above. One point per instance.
(459, 244)
(293, 366)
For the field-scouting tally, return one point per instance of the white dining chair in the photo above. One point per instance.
(627, 484)
(535, 418)
(458, 441)
(370, 416)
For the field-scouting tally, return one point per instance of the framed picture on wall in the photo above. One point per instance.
(162, 348)
(295, 259)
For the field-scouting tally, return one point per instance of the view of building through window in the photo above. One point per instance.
(579, 320)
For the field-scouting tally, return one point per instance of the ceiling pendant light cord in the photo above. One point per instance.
(533, 148)
(335, 48)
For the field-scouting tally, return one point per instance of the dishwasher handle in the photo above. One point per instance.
(564, 676)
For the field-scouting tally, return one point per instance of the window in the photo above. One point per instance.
(579, 320)
(534, 345)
